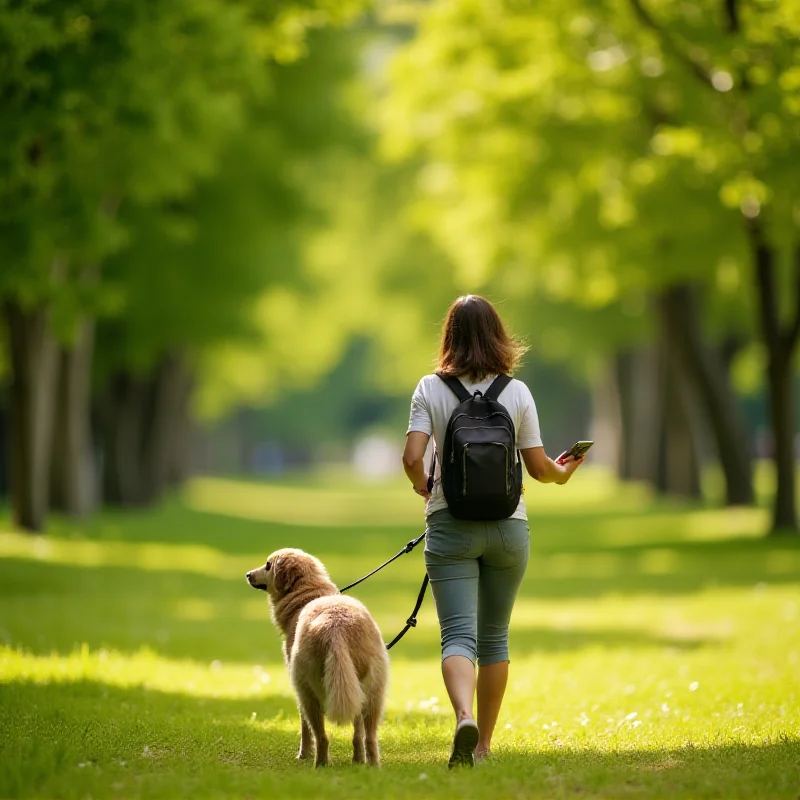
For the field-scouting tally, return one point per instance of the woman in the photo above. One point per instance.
(475, 568)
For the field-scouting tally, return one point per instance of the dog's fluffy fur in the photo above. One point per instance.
(334, 651)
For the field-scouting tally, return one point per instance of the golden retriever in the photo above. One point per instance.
(334, 650)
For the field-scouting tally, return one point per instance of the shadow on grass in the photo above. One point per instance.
(724, 770)
(78, 738)
(85, 738)
(56, 608)
(552, 530)
(47, 606)
(525, 641)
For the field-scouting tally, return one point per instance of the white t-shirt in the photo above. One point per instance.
(433, 403)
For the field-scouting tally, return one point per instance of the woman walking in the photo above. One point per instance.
(475, 560)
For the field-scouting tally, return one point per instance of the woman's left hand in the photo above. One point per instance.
(414, 452)
(422, 490)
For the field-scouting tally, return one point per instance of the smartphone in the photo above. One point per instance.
(577, 450)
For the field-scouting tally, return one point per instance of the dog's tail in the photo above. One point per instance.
(342, 686)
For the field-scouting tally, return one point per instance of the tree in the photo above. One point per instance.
(107, 109)
(568, 136)
(195, 277)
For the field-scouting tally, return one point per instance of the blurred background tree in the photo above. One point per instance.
(229, 232)
(626, 155)
(123, 128)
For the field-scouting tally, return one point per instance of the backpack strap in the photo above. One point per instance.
(458, 388)
(432, 470)
(460, 391)
(498, 384)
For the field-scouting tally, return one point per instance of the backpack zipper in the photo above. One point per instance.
(493, 414)
(477, 428)
(481, 428)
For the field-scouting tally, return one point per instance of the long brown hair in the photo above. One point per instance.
(475, 342)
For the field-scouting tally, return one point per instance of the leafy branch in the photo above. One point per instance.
(694, 65)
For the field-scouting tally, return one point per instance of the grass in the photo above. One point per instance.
(655, 651)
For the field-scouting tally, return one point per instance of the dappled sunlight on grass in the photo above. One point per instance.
(360, 504)
(651, 645)
(303, 506)
(722, 523)
(659, 562)
(154, 556)
(592, 487)
(681, 525)
(180, 556)
(771, 617)
(147, 669)
(196, 609)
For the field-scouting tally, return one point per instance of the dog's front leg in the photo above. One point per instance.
(306, 742)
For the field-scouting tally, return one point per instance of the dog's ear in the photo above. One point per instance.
(288, 572)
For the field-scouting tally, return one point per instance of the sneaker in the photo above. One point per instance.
(464, 742)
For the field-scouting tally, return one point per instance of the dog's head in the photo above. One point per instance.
(285, 571)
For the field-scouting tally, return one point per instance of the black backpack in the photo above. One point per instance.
(481, 469)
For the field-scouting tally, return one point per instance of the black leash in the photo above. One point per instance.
(411, 622)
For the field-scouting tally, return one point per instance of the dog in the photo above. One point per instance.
(333, 649)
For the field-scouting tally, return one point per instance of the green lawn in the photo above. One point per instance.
(655, 651)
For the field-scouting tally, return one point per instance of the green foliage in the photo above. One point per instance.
(105, 105)
(158, 160)
(392, 283)
(335, 410)
(135, 661)
(302, 315)
(592, 153)
(195, 274)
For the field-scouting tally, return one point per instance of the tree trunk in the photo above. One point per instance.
(705, 372)
(122, 418)
(181, 462)
(606, 424)
(782, 412)
(639, 384)
(780, 343)
(34, 369)
(4, 452)
(678, 464)
(660, 434)
(143, 421)
(162, 435)
(72, 471)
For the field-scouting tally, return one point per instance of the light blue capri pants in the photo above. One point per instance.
(475, 569)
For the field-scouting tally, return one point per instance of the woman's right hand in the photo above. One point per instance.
(544, 469)
(568, 467)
